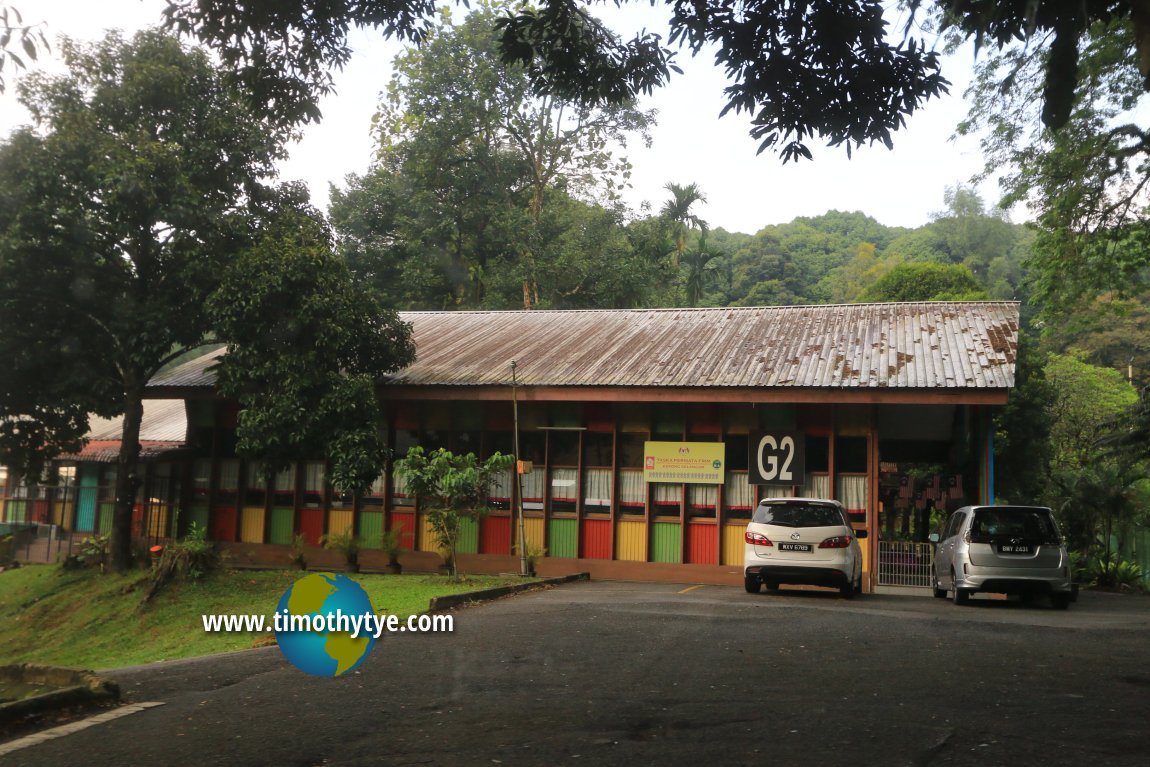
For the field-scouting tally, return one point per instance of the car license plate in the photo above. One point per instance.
(1013, 548)
(794, 547)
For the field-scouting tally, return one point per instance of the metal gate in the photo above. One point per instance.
(905, 563)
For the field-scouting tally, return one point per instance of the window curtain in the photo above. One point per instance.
(852, 491)
(817, 486)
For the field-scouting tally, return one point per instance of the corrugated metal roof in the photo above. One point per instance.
(108, 451)
(164, 421)
(914, 345)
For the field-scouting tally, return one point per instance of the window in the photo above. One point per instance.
(313, 481)
(631, 450)
(799, 515)
(256, 490)
(632, 492)
(701, 501)
(229, 488)
(283, 488)
(667, 499)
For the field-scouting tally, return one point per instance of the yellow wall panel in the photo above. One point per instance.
(533, 528)
(426, 536)
(733, 543)
(631, 545)
(252, 525)
(62, 514)
(157, 521)
(339, 522)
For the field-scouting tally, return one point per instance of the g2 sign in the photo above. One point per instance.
(777, 458)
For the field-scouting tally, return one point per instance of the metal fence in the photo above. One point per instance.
(905, 563)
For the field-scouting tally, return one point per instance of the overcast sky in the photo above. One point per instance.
(744, 191)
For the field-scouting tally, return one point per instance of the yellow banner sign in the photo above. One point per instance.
(695, 462)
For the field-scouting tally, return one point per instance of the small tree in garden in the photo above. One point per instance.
(451, 487)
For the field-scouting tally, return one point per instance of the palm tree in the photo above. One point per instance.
(677, 213)
(701, 269)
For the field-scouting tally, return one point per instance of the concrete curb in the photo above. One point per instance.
(439, 604)
(75, 687)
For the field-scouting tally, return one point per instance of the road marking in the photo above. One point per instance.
(44, 736)
(692, 588)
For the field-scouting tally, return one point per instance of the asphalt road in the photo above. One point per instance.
(637, 674)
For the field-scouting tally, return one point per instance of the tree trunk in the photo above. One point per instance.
(127, 483)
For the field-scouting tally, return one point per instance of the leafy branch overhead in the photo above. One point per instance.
(15, 31)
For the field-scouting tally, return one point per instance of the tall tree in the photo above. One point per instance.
(482, 167)
(121, 213)
(676, 212)
(924, 281)
(1086, 183)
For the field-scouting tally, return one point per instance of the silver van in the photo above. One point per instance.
(1004, 549)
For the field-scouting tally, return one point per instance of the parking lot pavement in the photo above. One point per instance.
(622, 674)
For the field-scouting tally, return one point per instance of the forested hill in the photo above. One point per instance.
(590, 256)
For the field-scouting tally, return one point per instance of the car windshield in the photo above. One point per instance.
(1013, 522)
(798, 515)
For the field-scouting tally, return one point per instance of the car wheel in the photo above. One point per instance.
(847, 590)
(939, 593)
(1060, 601)
(751, 584)
(961, 596)
(772, 586)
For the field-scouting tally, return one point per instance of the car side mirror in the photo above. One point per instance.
(933, 537)
(860, 534)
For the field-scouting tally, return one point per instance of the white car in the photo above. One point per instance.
(802, 541)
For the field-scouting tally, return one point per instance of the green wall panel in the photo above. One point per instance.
(198, 515)
(107, 511)
(281, 525)
(666, 545)
(562, 538)
(468, 536)
(371, 529)
(16, 511)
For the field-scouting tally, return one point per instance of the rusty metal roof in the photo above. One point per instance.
(163, 429)
(919, 345)
(948, 345)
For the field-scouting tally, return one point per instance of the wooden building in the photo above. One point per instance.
(886, 407)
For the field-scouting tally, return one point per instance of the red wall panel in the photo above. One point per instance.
(311, 525)
(404, 520)
(702, 544)
(495, 535)
(222, 526)
(596, 539)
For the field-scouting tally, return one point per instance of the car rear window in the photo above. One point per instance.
(798, 515)
(1004, 522)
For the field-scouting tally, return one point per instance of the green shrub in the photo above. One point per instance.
(1113, 573)
(189, 559)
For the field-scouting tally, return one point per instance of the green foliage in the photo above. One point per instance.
(1109, 572)
(677, 216)
(93, 552)
(191, 559)
(450, 487)
(30, 36)
(290, 292)
(478, 204)
(1022, 447)
(297, 557)
(1084, 182)
(119, 210)
(347, 544)
(924, 281)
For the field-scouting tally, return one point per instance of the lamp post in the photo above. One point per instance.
(518, 474)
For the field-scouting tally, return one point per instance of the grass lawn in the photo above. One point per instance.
(87, 620)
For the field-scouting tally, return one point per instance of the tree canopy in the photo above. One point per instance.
(138, 220)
